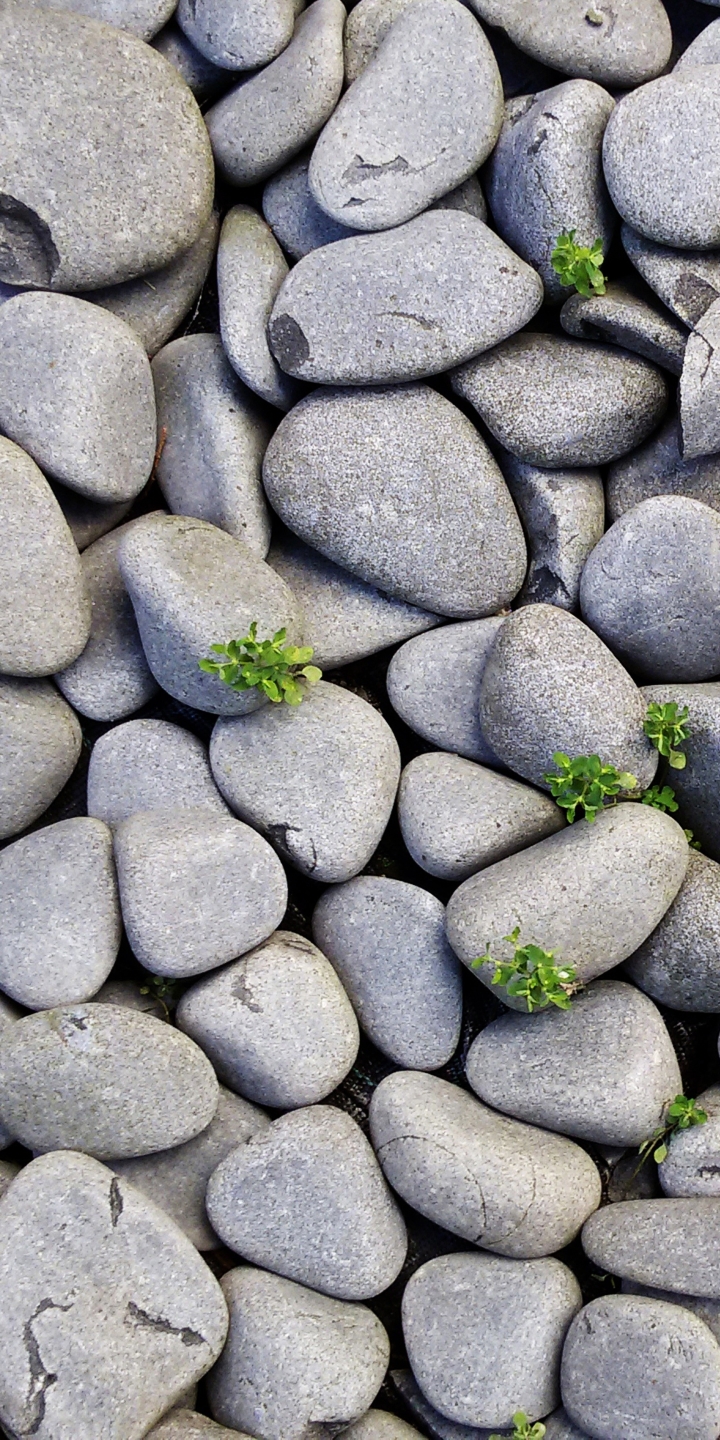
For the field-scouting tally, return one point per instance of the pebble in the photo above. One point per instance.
(659, 468)
(622, 46)
(457, 817)
(188, 1425)
(270, 117)
(149, 765)
(433, 683)
(669, 1244)
(521, 388)
(293, 214)
(295, 1362)
(215, 436)
(651, 589)
(103, 1079)
(202, 77)
(394, 144)
(563, 515)
(251, 268)
(704, 50)
(138, 17)
(88, 520)
(103, 1287)
(76, 393)
(193, 586)
(277, 1024)
(696, 786)
(367, 26)
(319, 780)
(700, 387)
(40, 574)
(601, 1071)
(40, 743)
(590, 894)
(624, 318)
(559, 1426)
(9, 1013)
(8, 1173)
(109, 172)
(397, 486)
(307, 1200)
(132, 996)
(235, 37)
(687, 281)
(707, 1310)
(691, 1167)
(401, 305)
(386, 940)
(484, 1334)
(434, 1424)
(381, 1425)
(678, 963)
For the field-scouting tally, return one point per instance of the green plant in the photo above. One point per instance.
(523, 1428)
(667, 727)
(280, 671)
(165, 991)
(532, 974)
(586, 783)
(579, 265)
(680, 1115)
(661, 797)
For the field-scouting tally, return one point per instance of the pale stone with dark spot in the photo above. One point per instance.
(40, 743)
(238, 37)
(433, 683)
(623, 44)
(687, 281)
(659, 468)
(149, 765)
(251, 268)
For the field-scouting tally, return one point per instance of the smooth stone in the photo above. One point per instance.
(149, 765)
(367, 26)
(386, 940)
(457, 817)
(679, 963)
(60, 925)
(107, 170)
(9, 1013)
(699, 393)
(651, 589)
(623, 46)
(88, 520)
(559, 1426)
(319, 780)
(696, 786)
(433, 683)
(394, 144)
(296, 1364)
(138, 17)
(271, 116)
(307, 1200)
(520, 391)
(41, 576)
(293, 214)
(237, 37)
(601, 1071)
(401, 305)
(381, 1425)
(40, 744)
(76, 393)
(188, 1425)
(660, 162)
(467, 196)
(707, 1310)
(551, 684)
(346, 469)
(193, 586)
(176, 1180)
(691, 1166)
(634, 1368)
(687, 281)
(624, 318)
(484, 1334)
(704, 50)
(591, 894)
(669, 1244)
(659, 468)
(250, 270)
(563, 515)
(103, 1079)
(433, 1423)
(111, 678)
(216, 434)
(547, 167)
(201, 76)
(276, 1025)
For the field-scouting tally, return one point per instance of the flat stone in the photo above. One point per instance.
(250, 269)
(434, 1424)
(433, 683)
(202, 77)
(138, 17)
(707, 1310)
(116, 1307)
(563, 515)
(651, 589)
(149, 765)
(216, 434)
(520, 391)
(696, 786)
(193, 586)
(398, 487)
(381, 1425)
(40, 744)
(591, 894)
(277, 1024)
(659, 468)
(176, 1180)
(40, 573)
(687, 281)
(691, 1166)
(484, 1334)
(235, 37)
(457, 817)
(547, 167)
(616, 1379)
(704, 50)
(621, 48)
(601, 1071)
(270, 117)
(399, 306)
(188, 1425)
(107, 167)
(624, 318)
(678, 963)
(669, 1244)
(386, 940)
(88, 520)
(103, 1079)
(700, 386)
(307, 1200)
(294, 1360)
(293, 213)
(76, 393)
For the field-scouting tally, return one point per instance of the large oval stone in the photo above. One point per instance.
(621, 45)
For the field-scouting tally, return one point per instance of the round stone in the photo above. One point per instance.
(623, 46)
(40, 743)
(235, 38)
(678, 963)
(669, 1244)
(149, 765)
(433, 683)
(251, 268)
(696, 786)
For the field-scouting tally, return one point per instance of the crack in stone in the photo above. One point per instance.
(242, 991)
(143, 1320)
(407, 315)
(41, 1378)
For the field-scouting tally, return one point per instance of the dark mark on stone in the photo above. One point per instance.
(143, 1320)
(116, 1201)
(359, 169)
(40, 1377)
(242, 992)
(28, 255)
(288, 342)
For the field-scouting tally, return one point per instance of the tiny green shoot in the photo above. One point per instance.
(579, 265)
(524, 1430)
(680, 1115)
(666, 726)
(532, 975)
(661, 797)
(162, 989)
(585, 783)
(280, 671)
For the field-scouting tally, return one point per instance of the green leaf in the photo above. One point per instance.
(661, 1153)
(678, 761)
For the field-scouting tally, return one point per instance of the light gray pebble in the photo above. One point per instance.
(563, 513)
(40, 744)
(704, 50)
(250, 269)
(467, 196)
(277, 1024)
(234, 36)
(307, 1200)
(687, 281)
(659, 468)
(149, 765)
(707, 1310)
(692, 1164)
(386, 940)
(183, 1424)
(88, 520)
(367, 26)
(669, 1244)
(293, 213)
(679, 964)
(622, 47)
(202, 77)
(9, 1013)
(621, 316)
(381, 1425)
(138, 17)
(559, 1426)
(700, 386)
(433, 1423)
(433, 682)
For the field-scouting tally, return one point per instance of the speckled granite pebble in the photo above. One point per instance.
(563, 514)
(687, 281)
(149, 765)
(40, 743)
(622, 46)
(626, 319)
(238, 38)
(251, 268)
(659, 468)
(433, 683)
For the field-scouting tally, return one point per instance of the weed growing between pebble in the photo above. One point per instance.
(585, 783)
(682, 1114)
(279, 671)
(533, 975)
(523, 1428)
(579, 265)
(666, 726)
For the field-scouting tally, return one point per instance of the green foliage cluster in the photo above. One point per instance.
(585, 783)
(532, 975)
(666, 726)
(279, 671)
(680, 1115)
(524, 1430)
(579, 265)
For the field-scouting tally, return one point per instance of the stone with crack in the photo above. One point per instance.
(687, 281)
(625, 318)
(659, 468)
(563, 514)
(700, 387)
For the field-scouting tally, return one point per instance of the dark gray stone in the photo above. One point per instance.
(659, 468)
(624, 318)
(687, 281)
(433, 683)
(88, 520)
(433, 1423)
(250, 269)
(237, 37)
(624, 46)
(669, 1244)
(698, 784)
(678, 963)
(563, 513)
(138, 17)
(202, 77)
(294, 215)
(40, 743)
(691, 1166)
(149, 765)
(700, 386)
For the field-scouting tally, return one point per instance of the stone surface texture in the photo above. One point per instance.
(40, 743)
(149, 765)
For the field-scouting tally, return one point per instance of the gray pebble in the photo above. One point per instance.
(8, 1173)
(138, 17)
(188, 1425)
(601, 1071)
(381, 1425)
(215, 436)
(467, 196)
(692, 1166)
(202, 77)
(700, 386)
(88, 520)
(294, 215)
(624, 46)
(669, 1244)
(563, 513)
(234, 36)
(707, 1310)
(367, 26)
(696, 786)
(687, 281)
(678, 963)
(386, 940)
(433, 1423)
(250, 269)
(277, 1024)
(457, 817)
(9, 1013)
(559, 1426)
(296, 1364)
(318, 779)
(402, 305)
(306, 1199)
(520, 391)
(149, 765)
(704, 50)
(40, 743)
(433, 682)
(484, 1334)
(659, 468)
(626, 319)
(397, 486)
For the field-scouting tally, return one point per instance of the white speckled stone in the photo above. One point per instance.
(623, 45)
(40, 743)
(433, 682)
(149, 765)
(251, 268)
(237, 37)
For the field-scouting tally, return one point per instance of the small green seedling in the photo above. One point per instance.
(680, 1115)
(280, 671)
(586, 784)
(667, 727)
(579, 265)
(661, 797)
(162, 989)
(533, 975)
(523, 1428)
